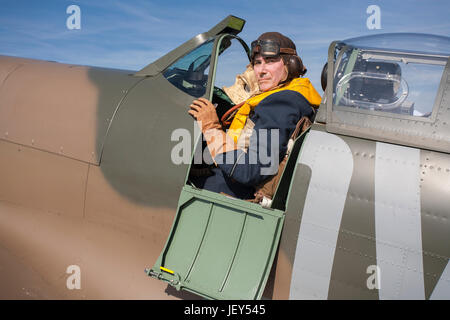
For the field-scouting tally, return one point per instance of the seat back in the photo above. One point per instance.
(282, 189)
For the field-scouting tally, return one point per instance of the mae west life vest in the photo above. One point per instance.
(300, 85)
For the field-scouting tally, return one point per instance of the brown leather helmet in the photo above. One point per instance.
(276, 44)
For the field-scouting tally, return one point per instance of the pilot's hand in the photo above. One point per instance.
(205, 114)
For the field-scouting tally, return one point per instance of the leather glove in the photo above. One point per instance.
(205, 114)
(217, 140)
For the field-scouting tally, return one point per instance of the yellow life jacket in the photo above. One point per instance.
(300, 85)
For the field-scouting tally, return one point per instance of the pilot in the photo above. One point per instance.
(256, 141)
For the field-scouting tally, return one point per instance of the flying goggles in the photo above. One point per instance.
(270, 48)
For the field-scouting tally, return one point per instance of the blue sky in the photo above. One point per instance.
(129, 34)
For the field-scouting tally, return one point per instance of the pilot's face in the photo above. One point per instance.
(269, 72)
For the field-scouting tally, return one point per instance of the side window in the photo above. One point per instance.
(190, 73)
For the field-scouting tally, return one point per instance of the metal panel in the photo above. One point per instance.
(106, 206)
(435, 217)
(40, 246)
(442, 289)
(398, 222)
(289, 237)
(42, 180)
(8, 66)
(63, 109)
(321, 220)
(356, 249)
(138, 149)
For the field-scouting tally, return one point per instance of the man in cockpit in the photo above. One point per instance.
(261, 128)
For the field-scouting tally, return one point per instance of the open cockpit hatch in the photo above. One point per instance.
(221, 247)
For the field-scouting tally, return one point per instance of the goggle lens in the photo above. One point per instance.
(266, 48)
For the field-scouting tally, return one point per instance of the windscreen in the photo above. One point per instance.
(190, 72)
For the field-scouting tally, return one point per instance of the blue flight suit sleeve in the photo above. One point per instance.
(275, 119)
